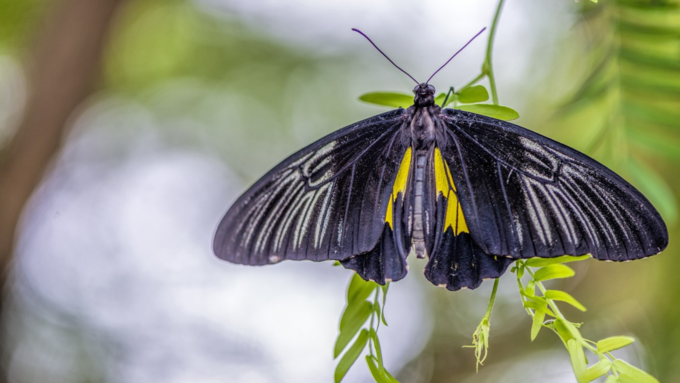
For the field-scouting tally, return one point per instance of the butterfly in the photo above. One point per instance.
(469, 192)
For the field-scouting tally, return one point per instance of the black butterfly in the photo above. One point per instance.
(470, 192)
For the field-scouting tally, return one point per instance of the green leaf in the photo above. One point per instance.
(495, 111)
(540, 262)
(351, 326)
(612, 379)
(614, 343)
(390, 377)
(384, 287)
(538, 306)
(537, 323)
(530, 290)
(477, 93)
(376, 343)
(557, 295)
(598, 369)
(351, 356)
(655, 143)
(553, 272)
(563, 331)
(632, 374)
(378, 376)
(392, 99)
(359, 289)
(655, 188)
(356, 309)
(578, 359)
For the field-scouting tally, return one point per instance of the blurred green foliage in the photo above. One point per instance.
(629, 101)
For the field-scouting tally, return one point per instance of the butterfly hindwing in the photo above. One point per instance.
(528, 196)
(326, 201)
(456, 261)
(387, 260)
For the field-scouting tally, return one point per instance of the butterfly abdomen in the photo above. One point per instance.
(418, 233)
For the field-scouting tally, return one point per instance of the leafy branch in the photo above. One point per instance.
(541, 303)
(359, 312)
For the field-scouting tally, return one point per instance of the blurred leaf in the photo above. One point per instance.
(578, 359)
(477, 93)
(598, 369)
(537, 323)
(569, 327)
(351, 356)
(495, 111)
(530, 290)
(553, 272)
(540, 262)
(538, 306)
(356, 308)
(652, 185)
(376, 344)
(390, 377)
(359, 289)
(377, 374)
(614, 343)
(659, 144)
(631, 374)
(557, 295)
(563, 330)
(612, 379)
(392, 99)
(351, 327)
(384, 288)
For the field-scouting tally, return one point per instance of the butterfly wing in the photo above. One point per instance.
(525, 195)
(327, 201)
(456, 261)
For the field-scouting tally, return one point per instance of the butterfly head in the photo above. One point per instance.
(424, 95)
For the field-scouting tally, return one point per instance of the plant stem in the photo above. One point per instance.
(477, 79)
(487, 66)
(492, 300)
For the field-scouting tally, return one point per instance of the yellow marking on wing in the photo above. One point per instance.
(402, 174)
(441, 183)
(444, 185)
(399, 184)
(388, 213)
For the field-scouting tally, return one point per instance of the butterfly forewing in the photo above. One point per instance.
(525, 195)
(327, 201)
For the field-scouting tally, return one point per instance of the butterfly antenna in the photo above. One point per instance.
(383, 53)
(454, 55)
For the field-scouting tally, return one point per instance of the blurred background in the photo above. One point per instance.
(128, 127)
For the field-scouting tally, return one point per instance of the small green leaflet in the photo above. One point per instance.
(614, 343)
(473, 94)
(631, 374)
(468, 95)
(495, 111)
(393, 99)
(557, 295)
(553, 272)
